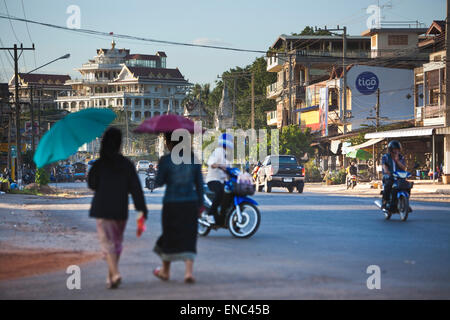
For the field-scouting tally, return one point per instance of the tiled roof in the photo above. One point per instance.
(156, 73)
(58, 79)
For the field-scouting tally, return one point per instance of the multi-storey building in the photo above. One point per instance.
(44, 89)
(138, 83)
(300, 61)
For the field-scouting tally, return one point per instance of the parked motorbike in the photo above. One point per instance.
(238, 213)
(150, 181)
(29, 176)
(399, 198)
(351, 181)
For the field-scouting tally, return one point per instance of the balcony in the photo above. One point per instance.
(274, 90)
(274, 64)
(431, 115)
(272, 118)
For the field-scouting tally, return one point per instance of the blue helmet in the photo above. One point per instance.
(226, 141)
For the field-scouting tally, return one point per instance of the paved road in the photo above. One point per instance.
(308, 246)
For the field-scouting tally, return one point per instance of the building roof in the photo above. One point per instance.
(284, 37)
(42, 78)
(139, 56)
(436, 27)
(373, 31)
(156, 73)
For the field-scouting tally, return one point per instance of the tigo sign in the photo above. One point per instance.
(367, 82)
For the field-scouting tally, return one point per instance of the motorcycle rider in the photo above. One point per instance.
(151, 169)
(391, 162)
(352, 170)
(215, 179)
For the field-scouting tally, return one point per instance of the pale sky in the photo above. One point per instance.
(249, 24)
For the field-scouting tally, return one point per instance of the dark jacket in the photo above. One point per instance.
(184, 181)
(112, 181)
(389, 162)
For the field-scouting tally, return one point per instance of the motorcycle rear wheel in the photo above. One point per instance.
(203, 230)
(250, 214)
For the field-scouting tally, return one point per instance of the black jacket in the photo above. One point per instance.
(112, 182)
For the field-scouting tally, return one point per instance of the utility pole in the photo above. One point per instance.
(344, 78)
(234, 102)
(447, 92)
(290, 91)
(33, 145)
(126, 128)
(253, 100)
(16, 57)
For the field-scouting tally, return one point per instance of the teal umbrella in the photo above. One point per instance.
(68, 134)
(359, 154)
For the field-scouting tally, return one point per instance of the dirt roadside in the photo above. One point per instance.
(17, 262)
(36, 239)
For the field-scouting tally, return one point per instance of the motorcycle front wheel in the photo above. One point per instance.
(251, 219)
(403, 207)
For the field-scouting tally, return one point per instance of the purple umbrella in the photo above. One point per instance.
(165, 123)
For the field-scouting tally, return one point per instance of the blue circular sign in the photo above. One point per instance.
(367, 82)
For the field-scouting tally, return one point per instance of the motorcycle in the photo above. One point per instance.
(351, 181)
(399, 199)
(150, 181)
(255, 172)
(238, 213)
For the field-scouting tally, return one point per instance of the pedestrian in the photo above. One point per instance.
(182, 201)
(113, 177)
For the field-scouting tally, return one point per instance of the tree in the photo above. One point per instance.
(309, 31)
(243, 93)
(294, 141)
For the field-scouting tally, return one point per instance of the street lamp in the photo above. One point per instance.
(18, 142)
(66, 56)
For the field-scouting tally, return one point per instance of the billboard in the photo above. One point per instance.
(323, 111)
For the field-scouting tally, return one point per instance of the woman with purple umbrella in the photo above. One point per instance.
(183, 197)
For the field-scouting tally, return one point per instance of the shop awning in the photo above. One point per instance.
(409, 132)
(366, 144)
(444, 130)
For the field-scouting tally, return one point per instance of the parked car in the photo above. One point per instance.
(142, 165)
(280, 171)
(80, 171)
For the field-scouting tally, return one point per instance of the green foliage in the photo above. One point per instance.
(357, 139)
(294, 141)
(312, 172)
(309, 31)
(338, 177)
(211, 99)
(42, 177)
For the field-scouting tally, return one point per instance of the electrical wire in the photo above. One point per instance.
(29, 34)
(14, 32)
(124, 36)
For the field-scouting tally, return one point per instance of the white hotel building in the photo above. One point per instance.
(138, 83)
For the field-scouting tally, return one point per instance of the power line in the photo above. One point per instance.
(28, 31)
(14, 32)
(124, 36)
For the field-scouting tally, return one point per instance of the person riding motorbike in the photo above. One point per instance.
(255, 170)
(352, 170)
(215, 179)
(151, 169)
(391, 162)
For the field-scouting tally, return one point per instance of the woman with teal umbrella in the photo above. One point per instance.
(68, 134)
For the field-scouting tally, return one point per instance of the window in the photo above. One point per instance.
(373, 41)
(397, 40)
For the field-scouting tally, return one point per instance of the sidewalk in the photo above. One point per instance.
(423, 190)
